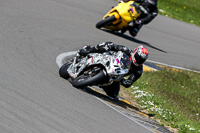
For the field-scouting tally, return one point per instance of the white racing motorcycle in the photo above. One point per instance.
(100, 69)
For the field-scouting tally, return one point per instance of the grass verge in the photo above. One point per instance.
(184, 10)
(173, 96)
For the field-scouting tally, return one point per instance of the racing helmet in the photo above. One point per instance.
(152, 2)
(139, 55)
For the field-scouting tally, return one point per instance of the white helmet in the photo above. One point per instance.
(139, 55)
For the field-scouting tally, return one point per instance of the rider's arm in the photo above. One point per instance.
(132, 78)
(100, 48)
(86, 50)
(149, 17)
(110, 46)
(124, 49)
(103, 47)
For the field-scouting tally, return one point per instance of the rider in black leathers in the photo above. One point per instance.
(137, 57)
(149, 12)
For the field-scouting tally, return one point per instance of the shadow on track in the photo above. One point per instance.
(133, 39)
(98, 92)
(120, 102)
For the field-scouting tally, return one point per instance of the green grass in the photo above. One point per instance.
(174, 98)
(184, 10)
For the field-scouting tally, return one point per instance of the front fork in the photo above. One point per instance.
(72, 71)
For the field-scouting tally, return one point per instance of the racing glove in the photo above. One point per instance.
(126, 83)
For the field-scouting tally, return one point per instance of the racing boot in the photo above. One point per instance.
(112, 90)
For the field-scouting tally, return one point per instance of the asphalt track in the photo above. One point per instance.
(33, 98)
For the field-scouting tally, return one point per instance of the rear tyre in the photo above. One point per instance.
(63, 71)
(106, 21)
(88, 78)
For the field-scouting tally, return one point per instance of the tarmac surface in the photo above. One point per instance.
(33, 98)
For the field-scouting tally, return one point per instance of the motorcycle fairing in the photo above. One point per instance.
(124, 13)
(116, 64)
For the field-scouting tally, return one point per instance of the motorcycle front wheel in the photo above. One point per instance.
(88, 78)
(63, 70)
(105, 22)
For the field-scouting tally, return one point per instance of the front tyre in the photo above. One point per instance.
(63, 70)
(88, 78)
(105, 22)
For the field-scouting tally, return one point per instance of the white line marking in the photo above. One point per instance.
(150, 68)
(181, 68)
(123, 114)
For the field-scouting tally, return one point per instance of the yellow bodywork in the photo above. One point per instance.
(124, 13)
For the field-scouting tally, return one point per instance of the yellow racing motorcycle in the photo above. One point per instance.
(119, 17)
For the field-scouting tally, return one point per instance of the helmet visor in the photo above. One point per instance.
(139, 59)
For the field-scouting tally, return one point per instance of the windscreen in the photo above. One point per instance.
(125, 61)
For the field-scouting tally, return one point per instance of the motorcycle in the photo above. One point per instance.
(119, 17)
(100, 69)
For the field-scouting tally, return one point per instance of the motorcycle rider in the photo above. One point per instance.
(137, 56)
(149, 12)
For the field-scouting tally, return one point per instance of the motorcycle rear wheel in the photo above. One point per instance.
(104, 22)
(86, 79)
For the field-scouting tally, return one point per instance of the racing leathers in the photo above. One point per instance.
(134, 73)
(149, 12)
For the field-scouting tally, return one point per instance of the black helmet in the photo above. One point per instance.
(152, 2)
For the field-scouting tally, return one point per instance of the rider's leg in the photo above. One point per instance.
(135, 29)
(112, 90)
